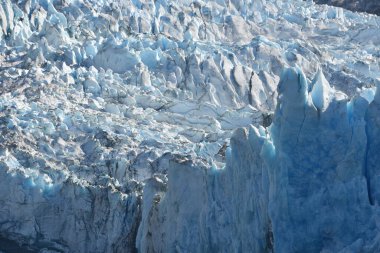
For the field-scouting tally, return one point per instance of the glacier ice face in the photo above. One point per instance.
(371, 161)
(308, 183)
(116, 119)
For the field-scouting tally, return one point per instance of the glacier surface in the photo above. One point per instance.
(188, 126)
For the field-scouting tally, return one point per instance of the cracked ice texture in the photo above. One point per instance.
(98, 99)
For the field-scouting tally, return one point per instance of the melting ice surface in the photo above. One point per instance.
(188, 126)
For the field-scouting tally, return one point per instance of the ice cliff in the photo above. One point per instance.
(172, 126)
(308, 183)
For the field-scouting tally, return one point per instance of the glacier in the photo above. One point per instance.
(188, 126)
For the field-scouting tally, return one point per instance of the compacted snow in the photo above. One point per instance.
(146, 126)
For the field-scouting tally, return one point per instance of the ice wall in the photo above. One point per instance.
(305, 184)
(43, 215)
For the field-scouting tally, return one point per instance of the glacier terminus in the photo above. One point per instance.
(189, 126)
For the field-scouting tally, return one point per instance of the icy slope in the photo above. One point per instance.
(102, 101)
